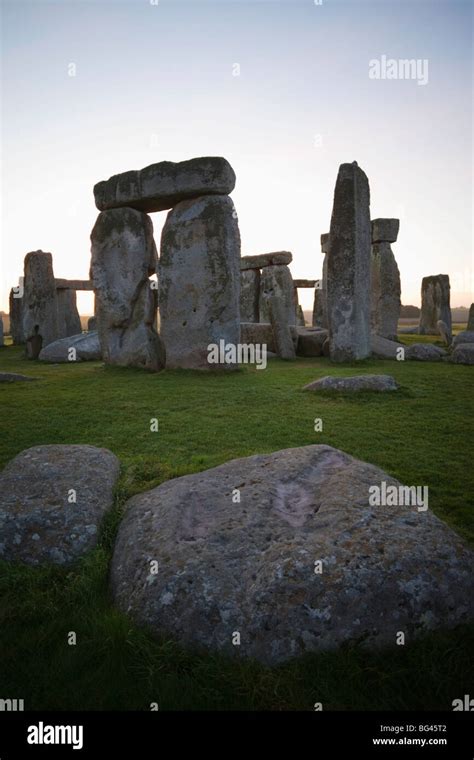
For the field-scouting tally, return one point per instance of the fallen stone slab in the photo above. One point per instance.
(463, 353)
(161, 186)
(12, 377)
(356, 383)
(261, 333)
(383, 348)
(85, 347)
(424, 352)
(465, 336)
(52, 500)
(310, 342)
(266, 260)
(277, 555)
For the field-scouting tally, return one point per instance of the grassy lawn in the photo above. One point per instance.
(421, 435)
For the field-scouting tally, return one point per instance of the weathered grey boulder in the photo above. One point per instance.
(385, 230)
(69, 321)
(12, 377)
(249, 295)
(83, 347)
(281, 329)
(356, 383)
(463, 353)
(52, 499)
(444, 331)
(470, 321)
(39, 302)
(424, 352)
(16, 318)
(199, 281)
(311, 341)
(465, 336)
(265, 260)
(276, 281)
(383, 348)
(435, 304)
(123, 256)
(286, 550)
(348, 276)
(385, 291)
(261, 333)
(161, 186)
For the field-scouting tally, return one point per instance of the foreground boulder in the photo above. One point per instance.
(163, 185)
(356, 383)
(463, 353)
(466, 336)
(52, 499)
(84, 347)
(424, 352)
(12, 377)
(230, 554)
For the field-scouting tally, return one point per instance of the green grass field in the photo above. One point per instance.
(421, 435)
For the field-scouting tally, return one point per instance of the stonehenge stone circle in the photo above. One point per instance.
(249, 295)
(123, 256)
(38, 521)
(161, 186)
(435, 304)
(39, 298)
(249, 567)
(348, 275)
(385, 279)
(199, 281)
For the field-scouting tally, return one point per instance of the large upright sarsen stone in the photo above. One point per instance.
(69, 321)
(276, 281)
(348, 276)
(435, 304)
(385, 291)
(249, 295)
(199, 281)
(40, 306)
(16, 317)
(123, 256)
